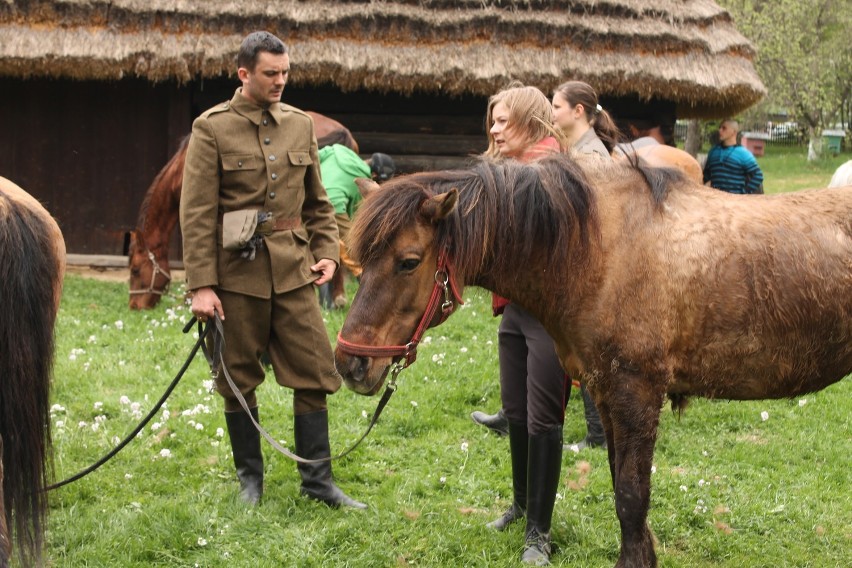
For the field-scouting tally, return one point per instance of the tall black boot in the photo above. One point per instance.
(595, 436)
(311, 433)
(519, 448)
(248, 459)
(545, 463)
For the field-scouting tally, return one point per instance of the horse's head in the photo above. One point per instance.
(405, 278)
(149, 273)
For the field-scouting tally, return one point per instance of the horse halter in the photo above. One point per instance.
(445, 294)
(157, 270)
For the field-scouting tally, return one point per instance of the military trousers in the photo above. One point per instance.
(290, 329)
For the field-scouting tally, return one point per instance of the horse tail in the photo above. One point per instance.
(28, 274)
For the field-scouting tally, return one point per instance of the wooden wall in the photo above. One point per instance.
(89, 150)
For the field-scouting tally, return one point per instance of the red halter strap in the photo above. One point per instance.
(445, 295)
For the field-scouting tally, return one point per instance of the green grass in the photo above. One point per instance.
(729, 489)
(786, 168)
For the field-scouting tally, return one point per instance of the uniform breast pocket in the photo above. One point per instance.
(299, 162)
(238, 166)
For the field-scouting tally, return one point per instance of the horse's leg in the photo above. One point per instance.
(338, 291)
(630, 417)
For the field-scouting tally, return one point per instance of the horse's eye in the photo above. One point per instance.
(409, 264)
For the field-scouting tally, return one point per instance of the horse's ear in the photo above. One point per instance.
(437, 208)
(366, 186)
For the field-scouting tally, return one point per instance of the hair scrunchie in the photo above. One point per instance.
(598, 109)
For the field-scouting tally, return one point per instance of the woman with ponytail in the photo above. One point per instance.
(585, 125)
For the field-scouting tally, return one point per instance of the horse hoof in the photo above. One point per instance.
(340, 301)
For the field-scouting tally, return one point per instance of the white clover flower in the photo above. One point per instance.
(489, 342)
(86, 365)
(100, 418)
(124, 400)
(208, 385)
(82, 424)
(702, 483)
(92, 339)
(474, 338)
(98, 405)
(72, 357)
(119, 325)
(157, 368)
(215, 443)
(128, 476)
(199, 426)
(166, 415)
(220, 432)
(414, 403)
(122, 363)
(156, 426)
(115, 440)
(202, 541)
(60, 423)
(463, 349)
(464, 446)
(683, 488)
(95, 426)
(57, 408)
(427, 339)
(165, 453)
(443, 479)
(653, 469)
(135, 406)
(803, 402)
(764, 416)
(363, 414)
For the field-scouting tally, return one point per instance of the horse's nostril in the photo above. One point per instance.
(361, 364)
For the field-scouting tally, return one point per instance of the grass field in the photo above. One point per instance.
(736, 484)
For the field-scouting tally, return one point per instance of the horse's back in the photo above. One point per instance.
(662, 156)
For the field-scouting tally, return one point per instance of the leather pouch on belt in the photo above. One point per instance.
(238, 228)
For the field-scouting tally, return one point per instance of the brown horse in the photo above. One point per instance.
(148, 254)
(651, 286)
(32, 264)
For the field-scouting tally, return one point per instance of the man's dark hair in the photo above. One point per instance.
(256, 42)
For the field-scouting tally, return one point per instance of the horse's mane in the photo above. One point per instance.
(168, 180)
(506, 211)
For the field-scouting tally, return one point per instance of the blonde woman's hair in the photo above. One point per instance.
(530, 114)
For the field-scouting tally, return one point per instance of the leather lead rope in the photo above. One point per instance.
(217, 367)
(202, 335)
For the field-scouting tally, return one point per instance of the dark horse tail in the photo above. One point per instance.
(28, 273)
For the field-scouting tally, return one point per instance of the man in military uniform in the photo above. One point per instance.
(257, 156)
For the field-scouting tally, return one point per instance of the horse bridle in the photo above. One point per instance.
(445, 294)
(157, 270)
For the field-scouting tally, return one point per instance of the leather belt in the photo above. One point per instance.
(283, 224)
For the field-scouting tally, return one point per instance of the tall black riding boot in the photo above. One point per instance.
(545, 463)
(519, 448)
(311, 433)
(248, 459)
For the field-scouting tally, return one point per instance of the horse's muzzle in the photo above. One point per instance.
(361, 374)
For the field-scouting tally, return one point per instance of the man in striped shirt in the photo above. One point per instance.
(729, 166)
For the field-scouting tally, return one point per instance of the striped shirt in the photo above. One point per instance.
(732, 169)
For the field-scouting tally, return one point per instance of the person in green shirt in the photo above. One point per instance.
(340, 167)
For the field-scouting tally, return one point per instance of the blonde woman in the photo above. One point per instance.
(532, 382)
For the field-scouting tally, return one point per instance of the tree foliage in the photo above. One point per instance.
(804, 57)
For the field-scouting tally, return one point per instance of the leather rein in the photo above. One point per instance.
(157, 270)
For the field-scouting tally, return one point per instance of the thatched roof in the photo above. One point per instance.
(686, 51)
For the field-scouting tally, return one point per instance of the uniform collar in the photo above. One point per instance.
(253, 112)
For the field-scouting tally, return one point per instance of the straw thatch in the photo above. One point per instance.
(685, 51)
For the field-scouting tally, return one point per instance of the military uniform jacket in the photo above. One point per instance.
(242, 156)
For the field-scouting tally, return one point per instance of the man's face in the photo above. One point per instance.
(727, 134)
(265, 84)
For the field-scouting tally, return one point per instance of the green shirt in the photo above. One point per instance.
(339, 167)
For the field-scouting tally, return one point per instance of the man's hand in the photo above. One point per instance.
(326, 268)
(204, 301)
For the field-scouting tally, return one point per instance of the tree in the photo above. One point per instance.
(804, 57)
